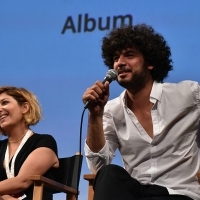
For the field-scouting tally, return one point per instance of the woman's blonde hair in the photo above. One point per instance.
(21, 95)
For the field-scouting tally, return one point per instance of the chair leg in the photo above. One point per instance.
(90, 191)
(71, 196)
(90, 178)
(38, 190)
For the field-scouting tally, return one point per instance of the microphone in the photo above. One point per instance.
(111, 75)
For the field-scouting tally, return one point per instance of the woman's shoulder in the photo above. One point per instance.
(3, 142)
(3, 146)
(43, 140)
(43, 136)
(39, 137)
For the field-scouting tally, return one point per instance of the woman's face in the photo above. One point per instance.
(11, 113)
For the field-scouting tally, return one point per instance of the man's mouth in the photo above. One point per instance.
(123, 72)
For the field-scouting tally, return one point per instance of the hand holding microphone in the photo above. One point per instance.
(96, 89)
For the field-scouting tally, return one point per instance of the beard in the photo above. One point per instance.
(138, 80)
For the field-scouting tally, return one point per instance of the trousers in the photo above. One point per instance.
(113, 182)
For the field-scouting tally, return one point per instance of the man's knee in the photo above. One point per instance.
(112, 171)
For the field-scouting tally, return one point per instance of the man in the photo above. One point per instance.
(154, 125)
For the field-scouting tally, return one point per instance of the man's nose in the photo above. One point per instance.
(121, 62)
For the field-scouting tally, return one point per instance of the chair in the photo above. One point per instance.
(66, 179)
(198, 176)
(90, 178)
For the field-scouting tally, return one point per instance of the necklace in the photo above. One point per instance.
(16, 140)
(10, 170)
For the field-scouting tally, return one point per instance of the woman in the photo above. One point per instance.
(23, 153)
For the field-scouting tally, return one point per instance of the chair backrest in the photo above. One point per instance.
(69, 171)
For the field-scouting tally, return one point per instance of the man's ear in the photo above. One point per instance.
(25, 107)
(150, 67)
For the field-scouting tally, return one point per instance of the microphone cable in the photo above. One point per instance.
(80, 148)
(111, 75)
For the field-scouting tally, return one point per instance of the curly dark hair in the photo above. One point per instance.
(143, 39)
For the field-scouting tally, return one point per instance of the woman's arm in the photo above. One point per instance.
(38, 162)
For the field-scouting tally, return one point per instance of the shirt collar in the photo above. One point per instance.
(156, 92)
(155, 95)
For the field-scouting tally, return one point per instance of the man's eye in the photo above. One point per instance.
(115, 59)
(130, 55)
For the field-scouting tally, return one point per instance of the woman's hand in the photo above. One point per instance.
(8, 197)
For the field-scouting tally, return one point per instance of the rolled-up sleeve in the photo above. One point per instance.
(96, 160)
(104, 157)
(198, 97)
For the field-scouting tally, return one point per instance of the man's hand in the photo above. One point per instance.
(98, 94)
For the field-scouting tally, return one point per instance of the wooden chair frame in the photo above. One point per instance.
(90, 178)
(68, 175)
(41, 181)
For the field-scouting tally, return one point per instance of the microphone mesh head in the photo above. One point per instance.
(112, 74)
